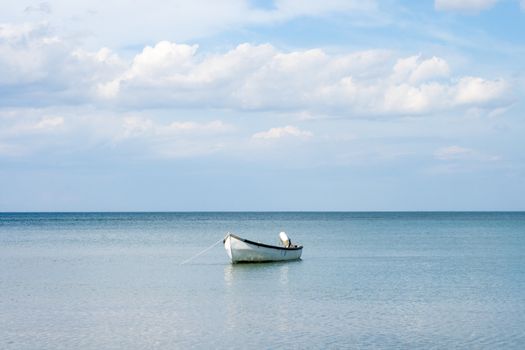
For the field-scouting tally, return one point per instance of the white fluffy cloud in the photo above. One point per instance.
(262, 77)
(26, 53)
(464, 5)
(477, 91)
(414, 69)
(280, 132)
(40, 69)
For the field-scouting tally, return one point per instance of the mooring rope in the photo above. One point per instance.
(202, 252)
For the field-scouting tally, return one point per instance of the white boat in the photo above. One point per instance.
(243, 250)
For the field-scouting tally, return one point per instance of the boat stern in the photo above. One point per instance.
(228, 246)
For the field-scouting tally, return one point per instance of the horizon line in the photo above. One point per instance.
(256, 211)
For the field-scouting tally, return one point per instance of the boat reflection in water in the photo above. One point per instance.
(247, 287)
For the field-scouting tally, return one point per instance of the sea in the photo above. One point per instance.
(366, 280)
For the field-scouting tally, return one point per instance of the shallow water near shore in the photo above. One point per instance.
(366, 280)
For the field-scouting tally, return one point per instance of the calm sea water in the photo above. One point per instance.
(366, 280)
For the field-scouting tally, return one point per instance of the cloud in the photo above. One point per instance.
(260, 77)
(146, 127)
(464, 5)
(452, 153)
(23, 133)
(456, 153)
(478, 91)
(165, 60)
(181, 21)
(414, 69)
(286, 131)
(40, 69)
(171, 140)
(79, 129)
(49, 123)
(43, 7)
(26, 52)
(44, 124)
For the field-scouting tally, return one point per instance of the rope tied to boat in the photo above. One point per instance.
(201, 252)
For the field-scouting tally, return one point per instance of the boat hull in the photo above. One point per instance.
(241, 250)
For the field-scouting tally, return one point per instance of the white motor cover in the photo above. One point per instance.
(284, 239)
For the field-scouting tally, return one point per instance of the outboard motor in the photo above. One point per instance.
(285, 240)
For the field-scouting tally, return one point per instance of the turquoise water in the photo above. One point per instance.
(366, 280)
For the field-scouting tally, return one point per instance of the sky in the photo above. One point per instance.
(261, 105)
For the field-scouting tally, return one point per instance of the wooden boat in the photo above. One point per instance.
(243, 250)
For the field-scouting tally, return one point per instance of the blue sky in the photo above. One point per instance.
(262, 105)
